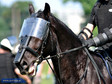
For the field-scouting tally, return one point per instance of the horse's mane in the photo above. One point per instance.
(64, 26)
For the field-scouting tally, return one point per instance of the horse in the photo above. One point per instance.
(69, 68)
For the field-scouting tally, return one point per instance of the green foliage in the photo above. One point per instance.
(3, 27)
(44, 74)
(6, 17)
(5, 22)
(23, 7)
(95, 31)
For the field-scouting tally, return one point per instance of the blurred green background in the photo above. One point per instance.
(44, 76)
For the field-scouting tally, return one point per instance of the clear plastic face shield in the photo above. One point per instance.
(35, 27)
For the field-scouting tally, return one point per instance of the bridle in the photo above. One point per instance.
(58, 55)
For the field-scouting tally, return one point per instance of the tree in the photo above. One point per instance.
(19, 11)
(11, 18)
(5, 20)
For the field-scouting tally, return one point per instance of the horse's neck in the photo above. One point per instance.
(65, 37)
(70, 63)
(66, 40)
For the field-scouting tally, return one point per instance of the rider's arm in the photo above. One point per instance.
(91, 24)
(101, 38)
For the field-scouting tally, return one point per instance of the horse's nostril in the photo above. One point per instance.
(23, 72)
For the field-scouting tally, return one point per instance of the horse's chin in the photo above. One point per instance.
(32, 69)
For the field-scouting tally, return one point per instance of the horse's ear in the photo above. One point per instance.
(46, 9)
(31, 9)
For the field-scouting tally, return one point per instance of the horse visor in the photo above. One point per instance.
(35, 27)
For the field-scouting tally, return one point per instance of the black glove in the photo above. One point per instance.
(85, 42)
(101, 38)
(81, 37)
(90, 43)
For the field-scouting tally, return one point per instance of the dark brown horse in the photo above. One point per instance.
(69, 67)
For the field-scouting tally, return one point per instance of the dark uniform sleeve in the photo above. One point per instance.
(13, 56)
(92, 17)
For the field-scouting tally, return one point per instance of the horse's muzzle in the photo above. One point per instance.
(21, 65)
(24, 67)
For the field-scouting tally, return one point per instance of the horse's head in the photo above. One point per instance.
(34, 34)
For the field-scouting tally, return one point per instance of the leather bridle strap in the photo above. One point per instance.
(31, 50)
(99, 74)
(68, 51)
(54, 72)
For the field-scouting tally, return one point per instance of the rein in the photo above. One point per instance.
(58, 55)
(65, 52)
(99, 74)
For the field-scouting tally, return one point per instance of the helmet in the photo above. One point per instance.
(9, 42)
(16, 48)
